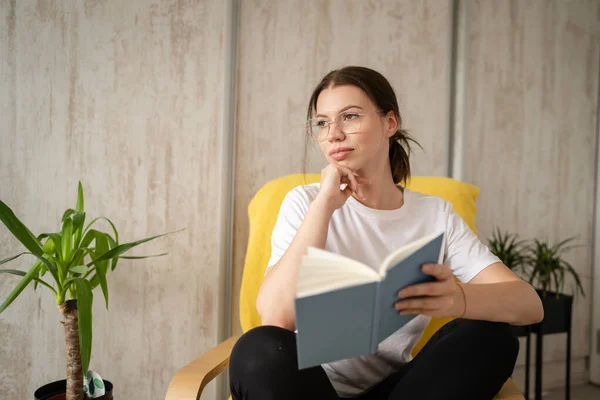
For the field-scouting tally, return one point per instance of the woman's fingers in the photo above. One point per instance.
(440, 303)
(356, 185)
(437, 288)
(348, 178)
(352, 178)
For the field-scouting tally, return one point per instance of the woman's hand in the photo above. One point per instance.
(332, 177)
(442, 298)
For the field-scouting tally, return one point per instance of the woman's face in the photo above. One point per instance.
(368, 145)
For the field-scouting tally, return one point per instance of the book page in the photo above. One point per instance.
(404, 252)
(322, 271)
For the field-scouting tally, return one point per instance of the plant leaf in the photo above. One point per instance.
(557, 247)
(102, 266)
(79, 206)
(79, 269)
(78, 221)
(122, 248)
(21, 273)
(107, 220)
(94, 281)
(575, 276)
(141, 257)
(67, 240)
(29, 276)
(113, 244)
(57, 240)
(67, 214)
(84, 314)
(19, 230)
(49, 246)
(48, 263)
(87, 239)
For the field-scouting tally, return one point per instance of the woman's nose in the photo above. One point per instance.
(335, 133)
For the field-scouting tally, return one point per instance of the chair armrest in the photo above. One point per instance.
(509, 391)
(189, 381)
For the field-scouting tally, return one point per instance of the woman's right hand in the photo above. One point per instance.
(332, 177)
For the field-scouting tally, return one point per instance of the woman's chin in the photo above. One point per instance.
(350, 164)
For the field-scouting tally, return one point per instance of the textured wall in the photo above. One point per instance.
(125, 96)
(285, 47)
(532, 87)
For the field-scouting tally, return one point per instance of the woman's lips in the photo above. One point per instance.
(341, 154)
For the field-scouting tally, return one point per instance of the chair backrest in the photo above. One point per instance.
(264, 208)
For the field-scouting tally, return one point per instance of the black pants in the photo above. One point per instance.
(465, 359)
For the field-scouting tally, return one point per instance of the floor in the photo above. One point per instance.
(584, 392)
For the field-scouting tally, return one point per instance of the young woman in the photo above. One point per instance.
(353, 115)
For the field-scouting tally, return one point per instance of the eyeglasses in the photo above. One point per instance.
(349, 122)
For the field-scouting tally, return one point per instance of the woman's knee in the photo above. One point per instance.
(263, 350)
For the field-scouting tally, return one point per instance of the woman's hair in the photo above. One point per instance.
(381, 93)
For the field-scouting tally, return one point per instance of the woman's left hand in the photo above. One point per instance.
(441, 298)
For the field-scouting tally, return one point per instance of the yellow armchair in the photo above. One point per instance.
(189, 381)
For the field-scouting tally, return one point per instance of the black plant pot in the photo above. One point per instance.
(56, 391)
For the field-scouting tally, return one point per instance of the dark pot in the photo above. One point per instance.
(56, 391)
(557, 313)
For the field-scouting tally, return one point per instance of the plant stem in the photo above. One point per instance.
(74, 368)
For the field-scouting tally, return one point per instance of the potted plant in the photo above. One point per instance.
(509, 249)
(70, 263)
(546, 271)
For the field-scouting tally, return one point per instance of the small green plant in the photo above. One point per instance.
(77, 259)
(548, 268)
(514, 253)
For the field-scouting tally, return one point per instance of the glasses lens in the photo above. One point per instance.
(349, 122)
(317, 128)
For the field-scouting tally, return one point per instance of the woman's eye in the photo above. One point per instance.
(350, 116)
(322, 124)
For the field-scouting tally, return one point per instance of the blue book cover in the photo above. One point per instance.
(344, 308)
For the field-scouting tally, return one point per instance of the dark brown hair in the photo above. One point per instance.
(381, 93)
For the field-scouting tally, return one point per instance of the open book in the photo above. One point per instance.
(344, 308)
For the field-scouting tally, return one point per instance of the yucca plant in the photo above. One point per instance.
(548, 267)
(514, 253)
(77, 260)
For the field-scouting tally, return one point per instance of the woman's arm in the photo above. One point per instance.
(275, 301)
(495, 294)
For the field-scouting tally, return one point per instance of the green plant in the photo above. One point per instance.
(509, 249)
(548, 267)
(77, 259)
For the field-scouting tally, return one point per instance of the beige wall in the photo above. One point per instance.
(532, 91)
(126, 96)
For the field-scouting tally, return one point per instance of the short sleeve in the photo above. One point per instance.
(465, 254)
(291, 214)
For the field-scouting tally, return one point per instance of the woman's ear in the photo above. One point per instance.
(392, 124)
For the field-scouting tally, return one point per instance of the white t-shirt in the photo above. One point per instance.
(369, 235)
